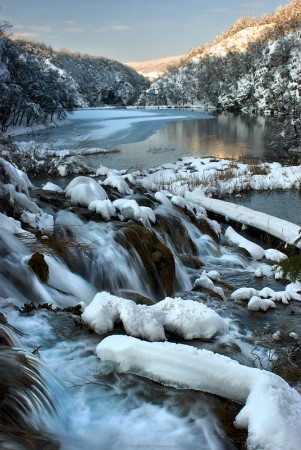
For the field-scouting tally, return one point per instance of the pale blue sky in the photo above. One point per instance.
(128, 30)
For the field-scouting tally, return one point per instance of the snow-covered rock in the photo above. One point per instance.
(233, 238)
(186, 318)
(84, 190)
(260, 304)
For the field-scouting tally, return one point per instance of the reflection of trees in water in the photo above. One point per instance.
(226, 135)
(283, 133)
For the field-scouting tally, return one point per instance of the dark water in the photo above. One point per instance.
(147, 138)
(283, 204)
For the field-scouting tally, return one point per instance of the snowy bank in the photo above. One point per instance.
(272, 408)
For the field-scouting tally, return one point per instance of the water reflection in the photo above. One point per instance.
(150, 138)
(282, 204)
(224, 136)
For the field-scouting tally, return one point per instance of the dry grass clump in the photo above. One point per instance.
(258, 169)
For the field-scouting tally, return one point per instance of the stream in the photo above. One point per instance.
(93, 406)
(68, 398)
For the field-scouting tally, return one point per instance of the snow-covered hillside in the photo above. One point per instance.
(254, 67)
(155, 68)
(239, 42)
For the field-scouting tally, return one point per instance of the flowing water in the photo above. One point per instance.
(97, 408)
(82, 403)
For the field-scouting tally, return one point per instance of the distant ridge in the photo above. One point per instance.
(154, 68)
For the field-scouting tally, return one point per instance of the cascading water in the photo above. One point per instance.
(85, 255)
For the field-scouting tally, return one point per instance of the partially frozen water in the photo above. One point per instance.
(148, 138)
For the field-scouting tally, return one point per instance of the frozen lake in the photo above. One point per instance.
(150, 137)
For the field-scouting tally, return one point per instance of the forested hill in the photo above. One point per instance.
(38, 84)
(101, 81)
(253, 67)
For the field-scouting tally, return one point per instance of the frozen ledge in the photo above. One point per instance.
(279, 228)
(272, 408)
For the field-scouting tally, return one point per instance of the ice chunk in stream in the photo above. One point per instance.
(49, 186)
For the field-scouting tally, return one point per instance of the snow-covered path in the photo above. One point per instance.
(279, 228)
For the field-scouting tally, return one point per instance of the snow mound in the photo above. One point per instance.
(16, 177)
(119, 183)
(103, 207)
(265, 298)
(194, 209)
(243, 293)
(272, 408)
(274, 255)
(41, 221)
(15, 184)
(131, 210)
(84, 190)
(11, 225)
(186, 318)
(205, 280)
(162, 198)
(260, 304)
(49, 186)
(233, 238)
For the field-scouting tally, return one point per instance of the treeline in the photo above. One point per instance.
(286, 18)
(101, 81)
(32, 90)
(264, 78)
(38, 84)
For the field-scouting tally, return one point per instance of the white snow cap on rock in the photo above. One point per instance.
(40, 221)
(119, 183)
(103, 207)
(205, 280)
(272, 408)
(186, 318)
(233, 238)
(84, 190)
(243, 293)
(290, 293)
(274, 255)
(131, 210)
(49, 186)
(260, 304)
